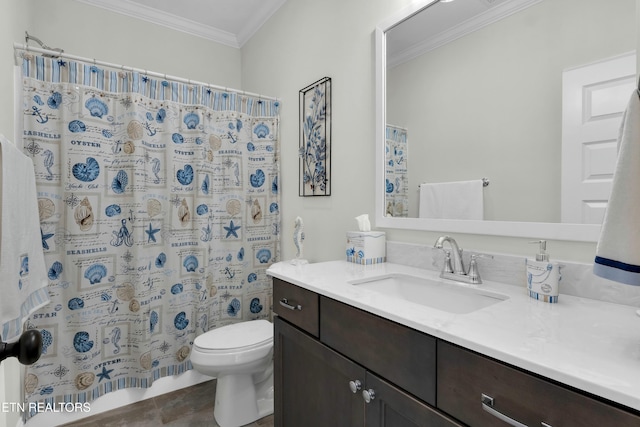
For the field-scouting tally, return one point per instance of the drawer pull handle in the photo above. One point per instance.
(487, 405)
(285, 303)
(355, 386)
(368, 395)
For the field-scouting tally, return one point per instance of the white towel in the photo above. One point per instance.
(618, 250)
(23, 275)
(452, 200)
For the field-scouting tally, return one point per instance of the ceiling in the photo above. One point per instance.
(230, 22)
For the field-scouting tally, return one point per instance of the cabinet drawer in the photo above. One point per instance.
(463, 376)
(297, 305)
(397, 353)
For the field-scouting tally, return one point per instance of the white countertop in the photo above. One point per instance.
(588, 344)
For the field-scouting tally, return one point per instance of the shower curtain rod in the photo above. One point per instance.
(57, 54)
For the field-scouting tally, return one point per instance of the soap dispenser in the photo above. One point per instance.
(543, 276)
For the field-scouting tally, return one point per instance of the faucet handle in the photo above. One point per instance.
(474, 274)
(446, 267)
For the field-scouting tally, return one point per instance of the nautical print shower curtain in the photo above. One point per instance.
(159, 213)
(396, 172)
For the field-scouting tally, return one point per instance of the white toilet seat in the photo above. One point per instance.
(238, 337)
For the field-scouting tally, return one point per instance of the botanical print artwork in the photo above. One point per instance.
(396, 172)
(159, 214)
(315, 139)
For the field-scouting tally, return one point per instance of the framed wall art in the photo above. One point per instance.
(315, 139)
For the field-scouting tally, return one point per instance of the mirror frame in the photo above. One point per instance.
(537, 230)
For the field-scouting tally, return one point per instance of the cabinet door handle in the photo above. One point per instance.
(368, 395)
(487, 405)
(355, 386)
(285, 303)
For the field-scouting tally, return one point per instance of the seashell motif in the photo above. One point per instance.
(389, 186)
(135, 130)
(82, 342)
(205, 184)
(234, 307)
(119, 183)
(125, 292)
(161, 260)
(134, 306)
(55, 100)
(154, 207)
(86, 172)
(177, 138)
(95, 273)
(252, 277)
(149, 116)
(184, 214)
(190, 263)
(233, 207)
(261, 130)
(229, 258)
(274, 185)
(256, 211)
(213, 291)
(55, 271)
(145, 360)
(241, 254)
(263, 255)
(251, 147)
(105, 297)
(83, 215)
(76, 126)
(112, 210)
(30, 383)
(254, 306)
(84, 380)
(199, 140)
(183, 353)
(202, 209)
(269, 148)
(96, 107)
(46, 390)
(273, 207)
(191, 120)
(181, 321)
(153, 320)
(185, 175)
(107, 133)
(38, 100)
(177, 288)
(257, 179)
(46, 208)
(129, 147)
(47, 340)
(215, 142)
(161, 115)
(75, 303)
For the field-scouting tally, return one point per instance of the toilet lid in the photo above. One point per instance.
(244, 334)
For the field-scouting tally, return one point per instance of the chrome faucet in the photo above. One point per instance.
(457, 271)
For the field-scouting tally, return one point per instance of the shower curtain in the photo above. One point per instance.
(396, 171)
(159, 213)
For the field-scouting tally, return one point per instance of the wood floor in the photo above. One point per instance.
(188, 407)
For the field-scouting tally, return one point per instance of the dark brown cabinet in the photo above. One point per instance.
(337, 365)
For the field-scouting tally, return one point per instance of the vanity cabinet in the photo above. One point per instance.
(469, 382)
(337, 365)
(357, 372)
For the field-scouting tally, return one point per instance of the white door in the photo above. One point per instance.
(594, 98)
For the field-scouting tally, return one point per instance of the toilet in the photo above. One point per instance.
(240, 356)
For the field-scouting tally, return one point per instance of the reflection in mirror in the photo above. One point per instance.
(396, 173)
(482, 96)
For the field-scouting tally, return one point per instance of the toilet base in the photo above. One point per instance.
(239, 401)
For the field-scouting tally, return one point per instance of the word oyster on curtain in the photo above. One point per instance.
(159, 212)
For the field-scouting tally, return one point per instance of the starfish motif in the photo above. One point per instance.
(104, 375)
(151, 232)
(45, 237)
(232, 230)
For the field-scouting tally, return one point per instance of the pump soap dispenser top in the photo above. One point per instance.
(543, 276)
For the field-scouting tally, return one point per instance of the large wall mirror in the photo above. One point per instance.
(472, 89)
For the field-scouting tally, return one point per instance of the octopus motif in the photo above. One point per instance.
(122, 236)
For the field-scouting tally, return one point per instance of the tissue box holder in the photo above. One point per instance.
(366, 247)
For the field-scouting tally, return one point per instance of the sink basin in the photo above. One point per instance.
(435, 293)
